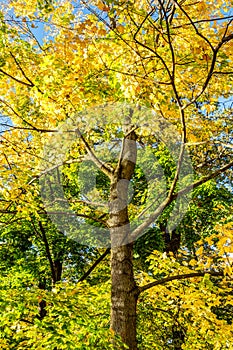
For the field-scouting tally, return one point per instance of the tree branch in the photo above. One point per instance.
(135, 234)
(21, 70)
(15, 79)
(88, 272)
(178, 277)
(107, 170)
(49, 256)
(203, 180)
(203, 21)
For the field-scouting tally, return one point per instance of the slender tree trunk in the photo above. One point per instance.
(42, 303)
(124, 291)
(56, 271)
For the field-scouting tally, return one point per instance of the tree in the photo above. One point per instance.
(171, 57)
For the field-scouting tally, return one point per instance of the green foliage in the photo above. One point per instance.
(77, 315)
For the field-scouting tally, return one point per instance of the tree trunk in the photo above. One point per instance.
(124, 295)
(124, 291)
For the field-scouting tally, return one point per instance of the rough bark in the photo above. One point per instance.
(124, 292)
(124, 296)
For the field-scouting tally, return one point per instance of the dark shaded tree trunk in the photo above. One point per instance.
(172, 245)
(42, 303)
(171, 240)
(56, 271)
(178, 338)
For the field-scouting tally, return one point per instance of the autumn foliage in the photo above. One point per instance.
(152, 80)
